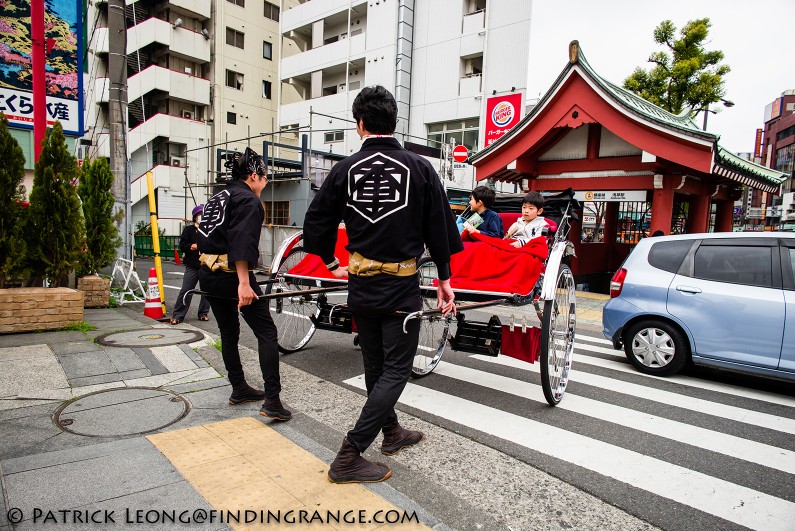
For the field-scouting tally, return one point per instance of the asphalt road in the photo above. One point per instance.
(701, 450)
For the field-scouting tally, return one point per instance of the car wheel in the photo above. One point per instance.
(656, 347)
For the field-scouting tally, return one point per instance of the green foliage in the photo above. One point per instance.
(143, 228)
(82, 326)
(686, 78)
(217, 344)
(12, 194)
(102, 236)
(54, 230)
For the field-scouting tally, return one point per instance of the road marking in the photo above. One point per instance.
(747, 450)
(593, 339)
(718, 497)
(689, 403)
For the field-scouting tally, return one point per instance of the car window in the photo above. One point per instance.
(792, 260)
(736, 264)
(668, 256)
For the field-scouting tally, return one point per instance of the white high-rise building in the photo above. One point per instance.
(201, 80)
(440, 58)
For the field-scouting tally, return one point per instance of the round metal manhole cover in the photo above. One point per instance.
(149, 337)
(121, 412)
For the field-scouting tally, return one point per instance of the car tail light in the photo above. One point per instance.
(617, 283)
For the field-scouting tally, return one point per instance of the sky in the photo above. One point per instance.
(617, 35)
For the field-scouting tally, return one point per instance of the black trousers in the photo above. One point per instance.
(388, 355)
(188, 283)
(257, 316)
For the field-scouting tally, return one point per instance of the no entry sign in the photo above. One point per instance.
(460, 153)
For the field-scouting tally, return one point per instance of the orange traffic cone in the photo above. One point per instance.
(176, 257)
(153, 307)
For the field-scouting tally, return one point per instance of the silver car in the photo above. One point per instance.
(725, 300)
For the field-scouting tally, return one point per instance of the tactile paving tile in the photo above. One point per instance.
(243, 464)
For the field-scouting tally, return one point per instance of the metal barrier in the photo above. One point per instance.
(144, 248)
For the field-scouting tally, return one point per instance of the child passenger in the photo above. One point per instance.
(481, 200)
(531, 223)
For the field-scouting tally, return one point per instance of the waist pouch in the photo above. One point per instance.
(360, 266)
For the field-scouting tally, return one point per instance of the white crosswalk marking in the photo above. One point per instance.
(593, 339)
(689, 403)
(736, 503)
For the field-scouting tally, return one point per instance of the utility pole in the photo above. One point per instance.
(39, 61)
(117, 106)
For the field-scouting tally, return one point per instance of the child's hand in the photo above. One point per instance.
(516, 244)
(470, 228)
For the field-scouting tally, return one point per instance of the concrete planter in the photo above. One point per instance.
(28, 309)
(96, 291)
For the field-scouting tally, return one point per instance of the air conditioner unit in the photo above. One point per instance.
(176, 162)
(188, 70)
(187, 114)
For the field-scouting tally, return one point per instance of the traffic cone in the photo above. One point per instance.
(153, 307)
(176, 257)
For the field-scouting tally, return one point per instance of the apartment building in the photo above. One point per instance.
(200, 78)
(441, 59)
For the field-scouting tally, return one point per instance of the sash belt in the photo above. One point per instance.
(360, 266)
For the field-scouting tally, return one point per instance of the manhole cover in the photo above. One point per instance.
(120, 412)
(149, 337)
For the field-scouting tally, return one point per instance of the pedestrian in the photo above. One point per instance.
(393, 204)
(229, 240)
(188, 244)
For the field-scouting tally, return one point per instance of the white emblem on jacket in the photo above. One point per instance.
(214, 211)
(378, 186)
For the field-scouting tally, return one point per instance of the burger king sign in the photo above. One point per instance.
(502, 113)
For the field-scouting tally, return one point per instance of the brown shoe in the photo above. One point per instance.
(396, 438)
(350, 467)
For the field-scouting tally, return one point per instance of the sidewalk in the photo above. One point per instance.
(131, 422)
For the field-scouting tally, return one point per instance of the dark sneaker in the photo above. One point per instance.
(273, 408)
(350, 467)
(243, 393)
(396, 438)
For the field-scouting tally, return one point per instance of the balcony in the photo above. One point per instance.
(177, 85)
(180, 41)
(470, 85)
(474, 22)
(101, 90)
(179, 130)
(198, 8)
(168, 177)
(309, 12)
(101, 43)
(337, 104)
(323, 57)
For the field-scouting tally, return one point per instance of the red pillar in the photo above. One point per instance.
(662, 208)
(610, 223)
(39, 80)
(724, 215)
(575, 237)
(698, 216)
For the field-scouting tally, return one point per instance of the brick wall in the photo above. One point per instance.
(27, 309)
(96, 291)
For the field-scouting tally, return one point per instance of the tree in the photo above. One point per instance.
(12, 195)
(102, 236)
(54, 231)
(687, 80)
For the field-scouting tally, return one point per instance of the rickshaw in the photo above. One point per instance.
(304, 298)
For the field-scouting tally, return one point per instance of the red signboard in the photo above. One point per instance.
(502, 113)
(758, 144)
(460, 153)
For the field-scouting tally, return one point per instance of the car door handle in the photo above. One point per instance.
(688, 289)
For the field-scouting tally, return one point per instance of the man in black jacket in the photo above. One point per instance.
(188, 244)
(393, 205)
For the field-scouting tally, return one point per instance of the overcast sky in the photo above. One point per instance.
(616, 36)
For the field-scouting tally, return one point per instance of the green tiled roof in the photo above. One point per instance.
(728, 159)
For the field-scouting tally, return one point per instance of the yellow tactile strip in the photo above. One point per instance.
(242, 464)
(590, 295)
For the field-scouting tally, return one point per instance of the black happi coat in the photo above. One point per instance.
(393, 205)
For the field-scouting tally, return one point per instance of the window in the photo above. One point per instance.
(231, 118)
(267, 50)
(271, 11)
(241, 3)
(266, 89)
(334, 136)
(277, 212)
(234, 79)
(668, 256)
(750, 265)
(458, 132)
(234, 38)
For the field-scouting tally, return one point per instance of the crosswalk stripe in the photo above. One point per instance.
(752, 451)
(689, 403)
(718, 497)
(623, 366)
(593, 339)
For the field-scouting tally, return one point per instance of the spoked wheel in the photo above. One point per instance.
(292, 314)
(434, 330)
(557, 337)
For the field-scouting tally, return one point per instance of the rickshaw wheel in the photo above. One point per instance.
(557, 337)
(434, 330)
(292, 314)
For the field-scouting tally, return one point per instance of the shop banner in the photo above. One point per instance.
(502, 113)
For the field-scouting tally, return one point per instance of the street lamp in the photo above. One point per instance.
(726, 103)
